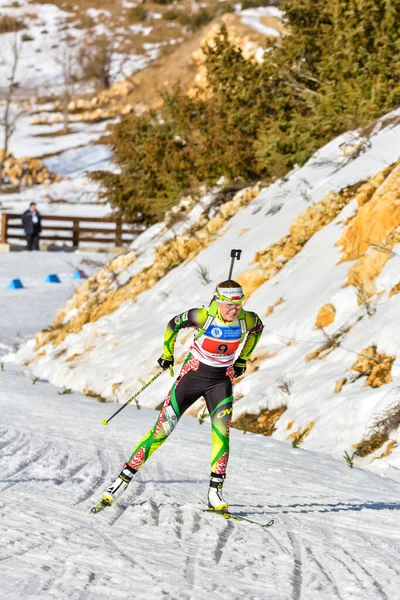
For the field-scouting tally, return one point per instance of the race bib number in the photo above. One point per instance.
(220, 347)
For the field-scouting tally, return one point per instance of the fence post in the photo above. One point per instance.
(118, 234)
(4, 228)
(75, 233)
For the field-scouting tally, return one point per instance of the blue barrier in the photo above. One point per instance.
(52, 279)
(79, 274)
(15, 284)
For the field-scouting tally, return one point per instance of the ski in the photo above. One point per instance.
(100, 506)
(228, 515)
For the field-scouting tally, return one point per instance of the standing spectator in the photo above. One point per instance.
(32, 224)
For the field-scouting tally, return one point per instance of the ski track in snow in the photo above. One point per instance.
(328, 542)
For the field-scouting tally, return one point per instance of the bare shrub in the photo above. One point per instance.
(9, 24)
(380, 430)
(332, 341)
(285, 385)
(203, 274)
(364, 298)
(274, 208)
(96, 59)
(137, 13)
(8, 120)
(66, 59)
(382, 247)
(263, 423)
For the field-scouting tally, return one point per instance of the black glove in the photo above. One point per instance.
(239, 367)
(165, 362)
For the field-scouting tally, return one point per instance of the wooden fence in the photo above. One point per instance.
(71, 230)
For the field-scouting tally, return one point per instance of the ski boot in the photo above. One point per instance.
(215, 499)
(116, 489)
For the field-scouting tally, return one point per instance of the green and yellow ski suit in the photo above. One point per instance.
(208, 372)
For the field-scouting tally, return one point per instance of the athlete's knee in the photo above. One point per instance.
(224, 414)
(166, 423)
(222, 419)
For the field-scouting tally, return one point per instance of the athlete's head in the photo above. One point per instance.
(229, 298)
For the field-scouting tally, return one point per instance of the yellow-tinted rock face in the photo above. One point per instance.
(271, 308)
(372, 365)
(339, 385)
(376, 367)
(363, 273)
(389, 449)
(378, 215)
(325, 316)
(251, 280)
(373, 232)
(395, 290)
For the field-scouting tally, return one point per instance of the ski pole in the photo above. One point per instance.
(106, 421)
(234, 254)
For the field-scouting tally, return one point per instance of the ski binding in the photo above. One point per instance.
(100, 506)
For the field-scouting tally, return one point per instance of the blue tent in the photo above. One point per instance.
(15, 284)
(52, 279)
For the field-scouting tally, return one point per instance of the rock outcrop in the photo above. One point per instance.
(325, 316)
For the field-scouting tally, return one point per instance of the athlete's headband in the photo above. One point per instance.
(230, 295)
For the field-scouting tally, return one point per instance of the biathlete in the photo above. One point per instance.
(209, 370)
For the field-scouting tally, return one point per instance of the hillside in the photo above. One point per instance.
(320, 251)
(81, 67)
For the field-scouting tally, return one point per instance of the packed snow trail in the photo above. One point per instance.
(335, 535)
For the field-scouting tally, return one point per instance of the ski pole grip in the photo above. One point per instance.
(236, 254)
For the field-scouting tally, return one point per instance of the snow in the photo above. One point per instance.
(252, 16)
(81, 160)
(309, 280)
(335, 533)
(38, 140)
(76, 197)
(40, 64)
(139, 28)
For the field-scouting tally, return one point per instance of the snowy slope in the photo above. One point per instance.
(48, 35)
(40, 73)
(120, 349)
(335, 534)
(47, 29)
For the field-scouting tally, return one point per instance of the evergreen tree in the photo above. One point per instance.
(337, 68)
